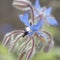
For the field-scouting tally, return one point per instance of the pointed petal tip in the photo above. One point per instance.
(20, 16)
(48, 11)
(52, 21)
(37, 5)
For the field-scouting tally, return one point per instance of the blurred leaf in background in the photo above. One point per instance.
(5, 55)
(52, 55)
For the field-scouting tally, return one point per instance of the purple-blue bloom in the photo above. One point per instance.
(28, 46)
(34, 28)
(46, 13)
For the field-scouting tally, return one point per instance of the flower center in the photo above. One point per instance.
(28, 29)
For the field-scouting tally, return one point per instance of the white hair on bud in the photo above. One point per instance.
(18, 5)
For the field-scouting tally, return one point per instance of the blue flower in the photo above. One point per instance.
(33, 28)
(42, 35)
(28, 45)
(45, 13)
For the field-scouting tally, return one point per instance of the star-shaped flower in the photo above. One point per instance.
(45, 14)
(24, 42)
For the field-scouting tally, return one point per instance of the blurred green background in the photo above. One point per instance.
(9, 21)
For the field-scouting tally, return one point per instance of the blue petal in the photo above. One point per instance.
(52, 21)
(39, 24)
(31, 33)
(37, 5)
(48, 11)
(24, 19)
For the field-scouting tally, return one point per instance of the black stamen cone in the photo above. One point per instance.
(25, 33)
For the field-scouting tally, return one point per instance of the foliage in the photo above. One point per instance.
(5, 55)
(52, 55)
